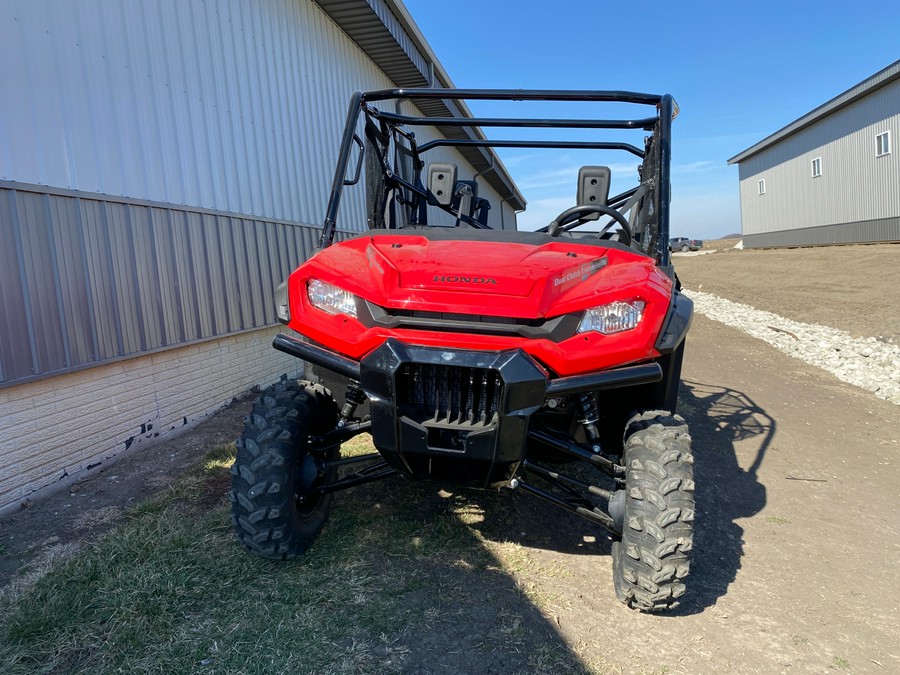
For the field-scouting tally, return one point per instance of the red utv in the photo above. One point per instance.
(484, 357)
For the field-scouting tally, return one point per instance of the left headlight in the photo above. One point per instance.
(614, 317)
(329, 298)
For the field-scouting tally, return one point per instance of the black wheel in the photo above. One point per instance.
(652, 561)
(273, 513)
(685, 248)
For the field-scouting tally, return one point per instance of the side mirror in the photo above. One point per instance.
(593, 188)
(441, 181)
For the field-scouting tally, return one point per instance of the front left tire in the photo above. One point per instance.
(274, 510)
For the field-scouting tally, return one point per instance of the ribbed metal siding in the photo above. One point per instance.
(225, 106)
(228, 105)
(855, 185)
(93, 280)
(884, 230)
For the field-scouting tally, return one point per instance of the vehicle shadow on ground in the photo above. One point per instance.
(476, 594)
(718, 418)
(466, 610)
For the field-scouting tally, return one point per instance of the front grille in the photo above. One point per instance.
(469, 318)
(449, 394)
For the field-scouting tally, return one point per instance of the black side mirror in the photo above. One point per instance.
(441, 181)
(593, 188)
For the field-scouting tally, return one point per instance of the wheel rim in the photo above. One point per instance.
(308, 477)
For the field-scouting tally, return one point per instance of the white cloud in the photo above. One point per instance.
(695, 167)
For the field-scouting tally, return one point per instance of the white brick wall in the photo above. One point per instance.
(54, 431)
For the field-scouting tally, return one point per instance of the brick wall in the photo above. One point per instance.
(57, 430)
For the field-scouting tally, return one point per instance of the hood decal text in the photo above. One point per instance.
(582, 273)
(458, 279)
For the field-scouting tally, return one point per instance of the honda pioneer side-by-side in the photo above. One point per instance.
(547, 361)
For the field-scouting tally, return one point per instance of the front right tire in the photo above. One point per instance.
(652, 561)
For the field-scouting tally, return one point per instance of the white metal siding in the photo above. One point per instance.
(855, 185)
(228, 105)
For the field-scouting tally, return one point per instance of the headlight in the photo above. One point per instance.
(612, 318)
(329, 298)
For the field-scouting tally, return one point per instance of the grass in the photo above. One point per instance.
(170, 590)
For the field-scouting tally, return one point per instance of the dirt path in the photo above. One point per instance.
(794, 565)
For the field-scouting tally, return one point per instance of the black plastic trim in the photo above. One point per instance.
(677, 323)
(556, 329)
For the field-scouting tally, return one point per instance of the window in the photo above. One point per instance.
(817, 167)
(762, 186)
(883, 144)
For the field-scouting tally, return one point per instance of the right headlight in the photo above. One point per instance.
(613, 317)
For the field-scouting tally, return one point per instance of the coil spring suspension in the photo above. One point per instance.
(590, 416)
(353, 399)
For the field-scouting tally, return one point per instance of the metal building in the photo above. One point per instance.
(829, 177)
(164, 164)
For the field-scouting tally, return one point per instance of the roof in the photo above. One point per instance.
(853, 94)
(386, 32)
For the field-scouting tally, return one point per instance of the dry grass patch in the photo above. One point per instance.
(170, 590)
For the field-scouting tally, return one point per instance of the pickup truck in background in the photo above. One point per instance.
(684, 244)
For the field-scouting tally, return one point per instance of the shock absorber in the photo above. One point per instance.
(590, 416)
(353, 398)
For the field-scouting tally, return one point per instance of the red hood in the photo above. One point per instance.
(505, 278)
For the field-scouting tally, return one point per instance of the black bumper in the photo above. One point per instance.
(453, 414)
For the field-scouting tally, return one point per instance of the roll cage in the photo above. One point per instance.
(393, 158)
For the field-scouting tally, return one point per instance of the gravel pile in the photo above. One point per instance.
(864, 362)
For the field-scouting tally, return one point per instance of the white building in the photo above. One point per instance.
(164, 164)
(830, 177)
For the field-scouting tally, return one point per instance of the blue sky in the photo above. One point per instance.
(738, 70)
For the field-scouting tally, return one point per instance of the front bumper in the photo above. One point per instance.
(452, 414)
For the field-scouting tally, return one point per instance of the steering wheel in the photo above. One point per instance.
(576, 212)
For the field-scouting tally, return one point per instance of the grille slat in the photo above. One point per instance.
(468, 318)
(452, 395)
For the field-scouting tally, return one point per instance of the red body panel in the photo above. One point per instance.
(505, 279)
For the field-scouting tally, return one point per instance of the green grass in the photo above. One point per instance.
(171, 591)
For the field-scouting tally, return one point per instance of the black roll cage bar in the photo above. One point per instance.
(660, 124)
